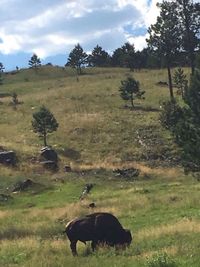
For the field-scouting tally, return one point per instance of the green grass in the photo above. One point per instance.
(96, 134)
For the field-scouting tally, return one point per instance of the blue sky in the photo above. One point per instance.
(51, 28)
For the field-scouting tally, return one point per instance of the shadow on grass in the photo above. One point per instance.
(12, 233)
(141, 108)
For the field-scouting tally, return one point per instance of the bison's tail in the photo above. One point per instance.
(66, 226)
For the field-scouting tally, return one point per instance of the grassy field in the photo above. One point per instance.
(97, 133)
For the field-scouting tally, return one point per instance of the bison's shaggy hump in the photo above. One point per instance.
(99, 227)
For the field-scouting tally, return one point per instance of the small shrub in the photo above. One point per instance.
(180, 80)
(130, 90)
(15, 100)
(160, 260)
(171, 114)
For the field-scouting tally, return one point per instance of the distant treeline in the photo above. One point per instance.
(127, 57)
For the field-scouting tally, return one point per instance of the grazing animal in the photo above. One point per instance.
(100, 228)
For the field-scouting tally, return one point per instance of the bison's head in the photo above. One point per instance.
(127, 237)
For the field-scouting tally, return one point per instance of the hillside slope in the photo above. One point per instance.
(97, 133)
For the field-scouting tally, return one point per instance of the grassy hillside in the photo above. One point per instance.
(96, 134)
(91, 115)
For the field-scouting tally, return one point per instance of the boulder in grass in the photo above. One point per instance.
(48, 154)
(8, 157)
(23, 185)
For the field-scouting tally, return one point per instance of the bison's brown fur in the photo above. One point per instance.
(100, 228)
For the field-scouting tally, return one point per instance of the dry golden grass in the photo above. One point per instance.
(183, 226)
(63, 214)
(32, 242)
(4, 214)
(112, 163)
(172, 250)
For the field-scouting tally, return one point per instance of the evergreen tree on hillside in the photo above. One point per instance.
(99, 57)
(189, 23)
(184, 123)
(164, 36)
(198, 60)
(1, 67)
(44, 123)
(35, 61)
(118, 58)
(124, 56)
(77, 58)
(180, 81)
(1, 71)
(130, 90)
(192, 97)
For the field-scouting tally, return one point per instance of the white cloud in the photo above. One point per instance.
(50, 27)
(139, 41)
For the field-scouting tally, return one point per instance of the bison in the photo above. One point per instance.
(100, 228)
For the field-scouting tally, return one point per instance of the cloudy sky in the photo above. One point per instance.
(51, 28)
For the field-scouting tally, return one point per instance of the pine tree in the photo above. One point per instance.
(1, 71)
(44, 123)
(99, 57)
(35, 61)
(124, 56)
(164, 36)
(77, 58)
(180, 80)
(189, 23)
(130, 90)
(184, 123)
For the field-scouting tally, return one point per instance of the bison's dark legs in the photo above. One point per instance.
(73, 248)
(94, 245)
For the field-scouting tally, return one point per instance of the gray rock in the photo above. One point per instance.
(8, 157)
(23, 185)
(48, 154)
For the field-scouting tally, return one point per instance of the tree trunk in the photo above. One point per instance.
(170, 83)
(132, 105)
(45, 139)
(192, 59)
(79, 70)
